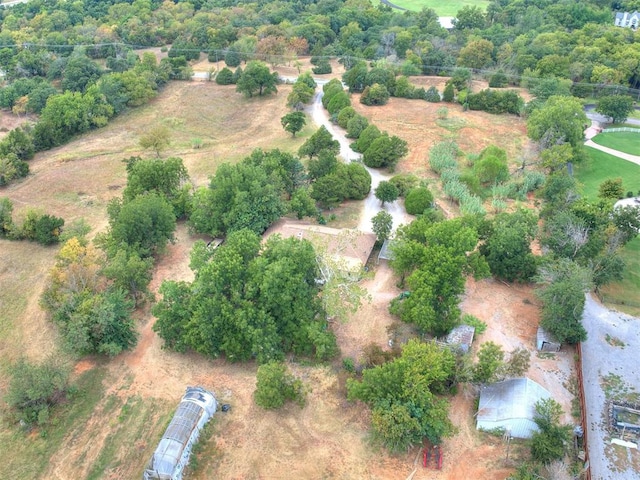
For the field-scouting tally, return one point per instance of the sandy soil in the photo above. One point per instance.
(326, 439)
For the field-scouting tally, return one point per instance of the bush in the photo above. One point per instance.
(404, 182)
(376, 94)
(346, 114)
(449, 93)
(356, 125)
(322, 68)
(475, 322)
(491, 169)
(498, 80)
(418, 200)
(432, 95)
(34, 389)
(224, 77)
(496, 102)
(275, 386)
(338, 101)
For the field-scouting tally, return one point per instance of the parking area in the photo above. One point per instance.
(611, 373)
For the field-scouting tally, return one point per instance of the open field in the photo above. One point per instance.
(623, 295)
(444, 9)
(124, 404)
(601, 166)
(627, 142)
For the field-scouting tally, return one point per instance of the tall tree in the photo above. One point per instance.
(618, 107)
(320, 141)
(257, 79)
(386, 192)
(293, 122)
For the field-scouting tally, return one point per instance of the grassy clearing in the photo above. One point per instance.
(27, 454)
(623, 295)
(602, 166)
(134, 423)
(627, 142)
(444, 9)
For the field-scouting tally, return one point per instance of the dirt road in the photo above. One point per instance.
(371, 204)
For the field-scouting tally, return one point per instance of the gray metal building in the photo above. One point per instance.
(172, 454)
(510, 405)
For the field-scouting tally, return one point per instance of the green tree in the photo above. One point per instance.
(358, 180)
(293, 122)
(356, 125)
(402, 395)
(355, 77)
(382, 224)
(346, 114)
(375, 94)
(48, 229)
(167, 178)
(449, 93)
(366, 138)
(6, 217)
(548, 444)
(157, 138)
(560, 120)
(476, 54)
(144, 224)
(611, 189)
(508, 247)
(386, 192)
(491, 169)
(36, 388)
(618, 107)
(564, 285)
(79, 73)
(321, 140)
(257, 79)
(469, 18)
(418, 200)
(490, 362)
(339, 101)
(130, 273)
(275, 386)
(224, 77)
(384, 151)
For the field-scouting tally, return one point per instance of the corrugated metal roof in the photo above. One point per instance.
(511, 402)
(196, 405)
(462, 335)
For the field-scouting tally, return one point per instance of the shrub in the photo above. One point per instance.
(356, 125)
(338, 101)
(346, 114)
(498, 80)
(491, 169)
(376, 94)
(418, 200)
(275, 386)
(34, 389)
(496, 102)
(322, 68)
(475, 322)
(404, 182)
(449, 93)
(432, 95)
(224, 77)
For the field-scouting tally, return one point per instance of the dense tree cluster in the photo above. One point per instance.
(247, 301)
(36, 226)
(433, 259)
(405, 396)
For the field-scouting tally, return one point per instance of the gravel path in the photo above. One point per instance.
(601, 359)
(371, 203)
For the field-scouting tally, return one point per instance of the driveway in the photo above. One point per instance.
(371, 204)
(610, 369)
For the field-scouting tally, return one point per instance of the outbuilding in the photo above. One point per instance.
(510, 406)
(545, 342)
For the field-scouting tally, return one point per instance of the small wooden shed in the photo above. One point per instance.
(545, 342)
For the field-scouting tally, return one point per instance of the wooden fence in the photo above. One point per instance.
(583, 415)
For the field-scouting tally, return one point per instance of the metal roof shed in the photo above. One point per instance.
(510, 405)
(545, 342)
(172, 454)
(462, 337)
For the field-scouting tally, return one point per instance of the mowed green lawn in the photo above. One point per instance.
(602, 166)
(623, 295)
(443, 9)
(627, 142)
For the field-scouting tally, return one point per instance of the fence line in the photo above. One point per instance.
(583, 411)
(621, 129)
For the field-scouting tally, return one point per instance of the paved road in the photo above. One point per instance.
(600, 360)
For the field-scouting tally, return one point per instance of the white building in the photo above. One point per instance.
(627, 20)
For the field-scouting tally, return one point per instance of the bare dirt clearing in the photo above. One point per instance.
(326, 439)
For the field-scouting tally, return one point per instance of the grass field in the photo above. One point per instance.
(623, 295)
(444, 9)
(602, 166)
(627, 142)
